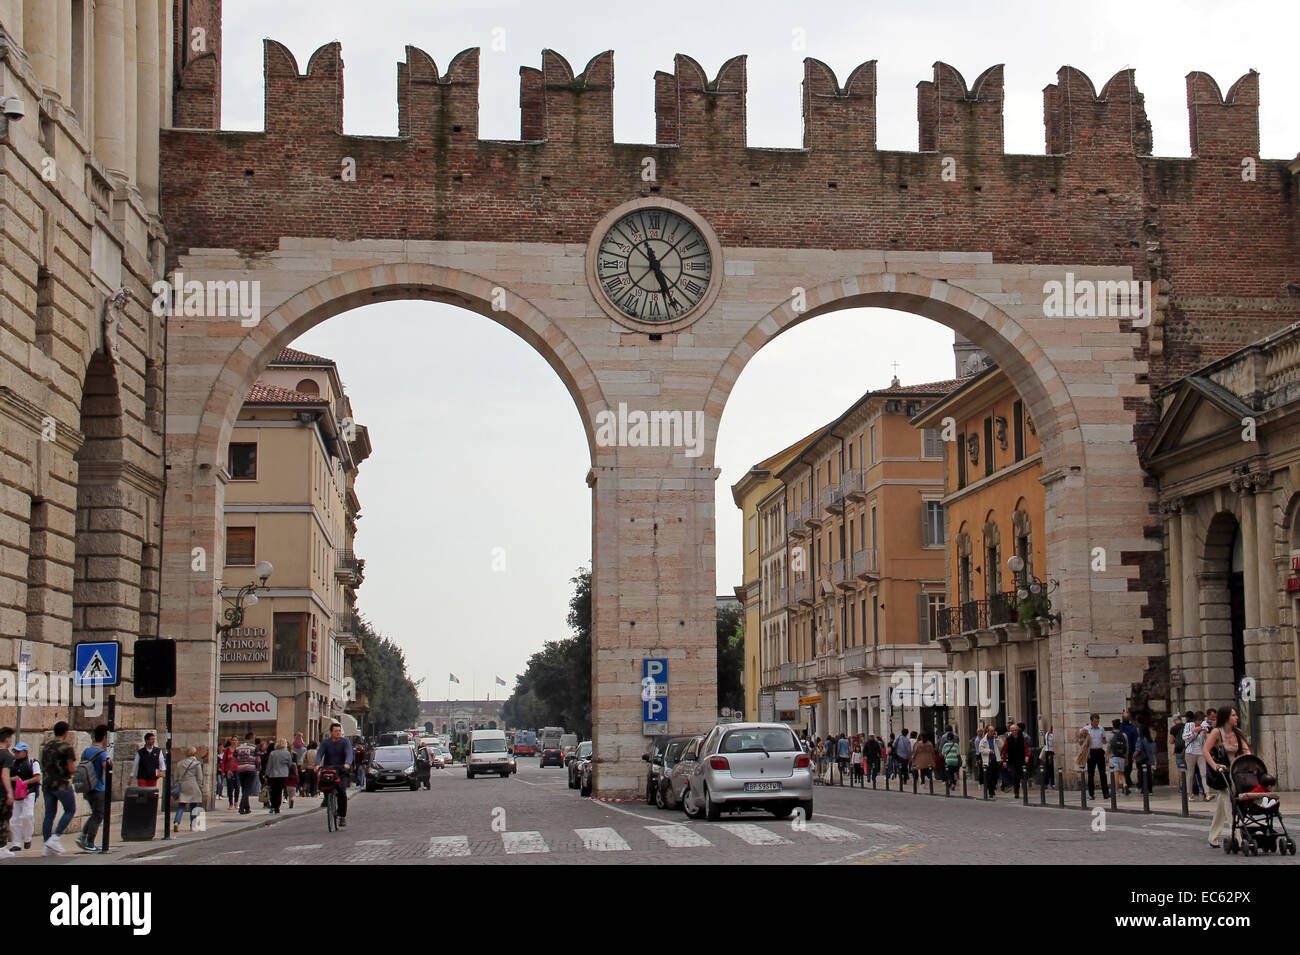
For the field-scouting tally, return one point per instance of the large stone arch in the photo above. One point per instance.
(1078, 381)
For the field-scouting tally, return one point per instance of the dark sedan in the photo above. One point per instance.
(552, 754)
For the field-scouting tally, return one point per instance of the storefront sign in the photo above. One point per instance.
(810, 700)
(245, 645)
(247, 707)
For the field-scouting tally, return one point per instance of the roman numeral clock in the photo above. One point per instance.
(654, 265)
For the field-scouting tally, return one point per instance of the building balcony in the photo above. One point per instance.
(973, 616)
(349, 568)
(854, 485)
(804, 591)
(778, 597)
(842, 574)
(828, 666)
(289, 661)
(811, 513)
(855, 660)
(832, 499)
(789, 672)
(794, 524)
(866, 565)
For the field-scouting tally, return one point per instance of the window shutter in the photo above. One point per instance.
(922, 618)
(241, 545)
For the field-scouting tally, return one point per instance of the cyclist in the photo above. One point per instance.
(336, 753)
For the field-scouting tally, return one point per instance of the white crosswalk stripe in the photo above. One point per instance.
(679, 837)
(371, 850)
(517, 843)
(445, 846)
(602, 840)
(306, 848)
(754, 835)
(830, 833)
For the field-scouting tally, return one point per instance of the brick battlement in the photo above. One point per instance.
(1097, 197)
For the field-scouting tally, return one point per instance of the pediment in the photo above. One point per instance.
(1198, 412)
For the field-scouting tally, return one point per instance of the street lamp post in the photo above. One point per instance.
(1032, 595)
(245, 598)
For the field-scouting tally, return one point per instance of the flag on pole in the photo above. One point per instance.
(500, 682)
(453, 678)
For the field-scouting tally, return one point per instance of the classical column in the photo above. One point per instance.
(130, 88)
(110, 75)
(1245, 487)
(1172, 510)
(147, 89)
(64, 73)
(1266, 538)
(11, 15)
(41, 41)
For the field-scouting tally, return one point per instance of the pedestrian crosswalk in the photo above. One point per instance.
(633, 838)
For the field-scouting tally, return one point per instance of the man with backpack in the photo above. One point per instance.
(1015, 756)
(1119, 753)
(247, 765)
(58, 763)
(903, 752)
(27, 786)
(89, 780)
(950, 752)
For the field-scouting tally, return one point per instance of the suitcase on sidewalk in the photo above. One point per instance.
(139, 813)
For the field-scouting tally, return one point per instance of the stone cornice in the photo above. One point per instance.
(33, 418)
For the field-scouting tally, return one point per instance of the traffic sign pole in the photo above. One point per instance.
(108, 769)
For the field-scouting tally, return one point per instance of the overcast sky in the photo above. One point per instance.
(477, 445)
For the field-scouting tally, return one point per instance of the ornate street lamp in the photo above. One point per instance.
(245, 598)
(1033, 598)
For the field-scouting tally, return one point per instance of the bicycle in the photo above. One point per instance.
(329, 786)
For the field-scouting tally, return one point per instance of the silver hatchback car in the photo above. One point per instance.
(758, 766)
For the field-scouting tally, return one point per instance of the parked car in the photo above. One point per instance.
(682, 751)
(568, 745)
(749, 766)
(580, 755)
(585, 772)
(654, 758)
(392, 766)
(550, 754)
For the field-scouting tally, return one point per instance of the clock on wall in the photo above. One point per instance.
(654, 265)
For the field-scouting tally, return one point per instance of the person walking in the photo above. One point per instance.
(843, 754)
(7, 780)
(988, 757)
(1178, 752)
(950, 753)
(923, 758)
(189, 774)
(299, 747)
(24, 820)
(1194, 735)
(1015, 756)
(279, 760)
(247, 766)
(1224, 744)
(291, 782)
(1047, 757)
(1120, 757)
(228, 769)
(59, 762)
(149, 764)
(872, 754)
(308, 770)
(1094, 737)
(903, 752)
(855, 763)
(1132, 736)
(97, 756)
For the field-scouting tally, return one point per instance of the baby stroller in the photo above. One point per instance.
(1257, 823)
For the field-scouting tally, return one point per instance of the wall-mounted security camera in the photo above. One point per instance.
(12, 107)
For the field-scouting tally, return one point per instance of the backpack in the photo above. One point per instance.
(1179, 746)
(85, 778)
(1119, 745)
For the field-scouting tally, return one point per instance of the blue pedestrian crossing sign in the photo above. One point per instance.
(97, 664)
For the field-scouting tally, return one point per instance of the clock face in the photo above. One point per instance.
(654, 265)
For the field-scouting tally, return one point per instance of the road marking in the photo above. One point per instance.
(883, 827)
(602, 840)
(370, 850)
(754, 835)
(679, 836)
(628, 812)
(307, 848)
(523, 842)
(1179, 825)
(887, 856)
(443, 846)
(830, 833)
(855, 855)
(161, 855)
(374, 842)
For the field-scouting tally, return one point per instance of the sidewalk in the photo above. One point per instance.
(220, 821)
(1164, 800)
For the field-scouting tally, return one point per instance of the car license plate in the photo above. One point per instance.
(762, 787)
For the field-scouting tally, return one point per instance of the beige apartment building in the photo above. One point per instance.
(290, 500)
(854, 561)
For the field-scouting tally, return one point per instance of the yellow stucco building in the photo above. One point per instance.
(290, 500)
(995, 506)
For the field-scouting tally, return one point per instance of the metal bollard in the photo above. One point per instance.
(964, 794)
(1060, 787)
(1024, 789)
(915, 779)
(1145, 782)
(1042, 788)
(1114, 798)
(1182, 789)
(1083, 792)
(932, 782)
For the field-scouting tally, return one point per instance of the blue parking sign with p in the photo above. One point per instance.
(654, 690)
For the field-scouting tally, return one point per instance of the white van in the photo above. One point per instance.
(487, 753)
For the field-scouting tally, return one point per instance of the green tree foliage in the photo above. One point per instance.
(555, 689)
(381, 676)
(731, 659)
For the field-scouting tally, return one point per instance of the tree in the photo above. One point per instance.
(731, 659)
(555, 688)
(381, 676)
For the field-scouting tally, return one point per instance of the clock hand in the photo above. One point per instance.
(659, 274)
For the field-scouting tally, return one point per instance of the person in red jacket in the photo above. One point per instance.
(227, 769)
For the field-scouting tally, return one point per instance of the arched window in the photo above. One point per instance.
(307, 386)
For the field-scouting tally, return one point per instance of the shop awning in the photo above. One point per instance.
(349, 724)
